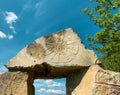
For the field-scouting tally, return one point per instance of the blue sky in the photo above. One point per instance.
(23, 21)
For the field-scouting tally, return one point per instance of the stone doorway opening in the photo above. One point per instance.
(50, 86)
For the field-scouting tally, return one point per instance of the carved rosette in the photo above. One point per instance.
(62, 47)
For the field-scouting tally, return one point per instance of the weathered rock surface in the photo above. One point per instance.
(92, 81)
(98, 82)
(16, 83)
(62, 50)
(1, 73)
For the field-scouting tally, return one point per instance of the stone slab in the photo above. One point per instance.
(51, 55)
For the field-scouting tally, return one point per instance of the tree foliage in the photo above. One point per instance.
(106, 15)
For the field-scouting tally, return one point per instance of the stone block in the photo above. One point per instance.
(16, 83)
(98, 81)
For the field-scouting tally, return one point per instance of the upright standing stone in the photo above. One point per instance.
(16, 83)
(98, 82)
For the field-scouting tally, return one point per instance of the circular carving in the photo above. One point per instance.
(61, 47)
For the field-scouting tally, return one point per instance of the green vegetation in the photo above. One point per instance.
(106, 15)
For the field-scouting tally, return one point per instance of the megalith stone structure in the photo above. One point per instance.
(59, 55)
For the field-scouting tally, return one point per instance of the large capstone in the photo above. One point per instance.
(53, 56)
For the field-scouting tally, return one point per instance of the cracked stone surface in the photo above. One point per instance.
(55, 55)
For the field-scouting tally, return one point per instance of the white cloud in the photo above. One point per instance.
(3, 69)
(10, 37)
(52, 91)
(48, 87)
(39, 6)
(12, 28)
(42, 90)
(28, 5)
(39, 83)
(48, 83)
(11, 18)
(4, 36)
(51, 83)
(39, 80)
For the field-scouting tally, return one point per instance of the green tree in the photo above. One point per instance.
(106, 15)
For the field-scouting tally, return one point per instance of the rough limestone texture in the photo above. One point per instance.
(54, 55)
(97, 81)
(16, 83)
